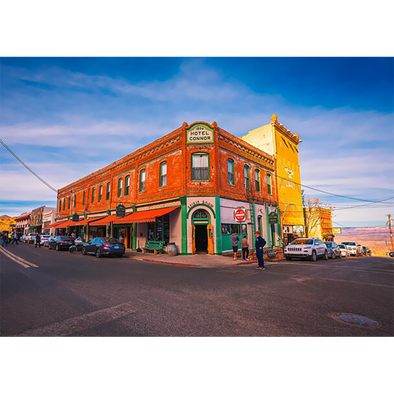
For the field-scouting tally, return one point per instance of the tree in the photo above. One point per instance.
(312, 215)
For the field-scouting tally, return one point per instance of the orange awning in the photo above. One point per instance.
(104, 221)
(55, 225)
(66, 224)
(88, 221)
(144, 216)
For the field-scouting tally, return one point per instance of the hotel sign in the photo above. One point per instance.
(200, 134)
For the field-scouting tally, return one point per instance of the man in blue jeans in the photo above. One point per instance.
(4, 239)
(259, 244)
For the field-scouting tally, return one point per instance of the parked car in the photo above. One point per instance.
(46, 242)
(30, 238)
(60, 242)
(23, 238)
(78, 245)
(333, 250)
(391, 254)
(104, 246)
(355, 249)
(44, 238)
(306, 248)
(344, 250)
(367, 251)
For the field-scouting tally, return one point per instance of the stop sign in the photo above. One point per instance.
(240, 215)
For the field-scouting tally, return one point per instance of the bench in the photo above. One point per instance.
(156, 246)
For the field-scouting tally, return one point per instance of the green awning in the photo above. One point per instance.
(33, 227)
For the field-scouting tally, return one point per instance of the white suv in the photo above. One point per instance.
(306, 248)
(354, 248)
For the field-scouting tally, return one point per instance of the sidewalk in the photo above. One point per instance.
(197, 260)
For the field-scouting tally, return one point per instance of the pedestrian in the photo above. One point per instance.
(4, 239)
(38, 241)
(259, 244)
(9, 238)
(73, 235)
(15, 238)
(245, 249)
(234, 243)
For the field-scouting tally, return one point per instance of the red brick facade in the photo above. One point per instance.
(177, 152)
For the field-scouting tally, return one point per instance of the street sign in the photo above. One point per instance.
(273, 217)
(240, 215)
(75, 217)
(120, 210)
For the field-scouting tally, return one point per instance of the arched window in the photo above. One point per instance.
(200, 214)
(247, 177)
(163, 174)
(142, 180)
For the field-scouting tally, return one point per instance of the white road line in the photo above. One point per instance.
(82, 322)
(17, 259)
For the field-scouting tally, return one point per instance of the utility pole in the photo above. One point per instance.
(391, 233)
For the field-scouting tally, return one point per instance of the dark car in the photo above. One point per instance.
(103, 247)
(333, 250)
(60, 242)
(367, 251)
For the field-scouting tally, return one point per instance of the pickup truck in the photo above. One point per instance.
(30, 238)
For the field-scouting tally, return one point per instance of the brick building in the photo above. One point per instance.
(22, 223)
(183, 188)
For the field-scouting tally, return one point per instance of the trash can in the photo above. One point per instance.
(172, 250)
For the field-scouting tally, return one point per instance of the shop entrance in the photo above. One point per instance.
(201, 238)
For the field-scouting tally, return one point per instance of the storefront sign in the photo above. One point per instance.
(120, 210)
(199, 134)
(287, 229)
(75, 217)
(200, 202)
(240, 215)
(336, 230)
(298, 230)
(273, 217)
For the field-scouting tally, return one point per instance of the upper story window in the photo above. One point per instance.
(75, 200)
(142, 180)
(84, 198)
(127, 185)
(60, 205)
(92, 195)
(163, 174)
(100, 193)
(247, 177)
(200, 166)
(108, 190)
(269, 183)
(68, 205)
(120, 186)
(64, 204)
(257, 180)
(230, 166)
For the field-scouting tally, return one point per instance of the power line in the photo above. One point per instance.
(26, 166)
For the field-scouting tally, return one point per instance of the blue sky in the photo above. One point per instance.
(67, 117)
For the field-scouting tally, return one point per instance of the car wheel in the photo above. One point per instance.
(98, 253)
(84, 251)
(288, 258)
(326, 255)
(57, 247)
(333, 255)
(314, 256)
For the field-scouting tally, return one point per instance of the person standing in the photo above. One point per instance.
(4, 239)
(245, 249)
(38, 241)
(9, 238)
(234, 243)
(15, 238)
(259, 244)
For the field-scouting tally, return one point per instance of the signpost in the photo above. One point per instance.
(75, 217)
(273, 218)
(120, 210)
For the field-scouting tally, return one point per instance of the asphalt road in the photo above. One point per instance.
(74, 295)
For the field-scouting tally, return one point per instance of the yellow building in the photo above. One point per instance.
(318, 223)
(280, 142)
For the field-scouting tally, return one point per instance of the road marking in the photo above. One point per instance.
(82, 322)
(17, 259)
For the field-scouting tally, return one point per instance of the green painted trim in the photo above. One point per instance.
(253, 222)
(200, 142)
(203, 205)
(267, 227)
(279, 229)
(198, 125)
(184, 225)
(218, 226)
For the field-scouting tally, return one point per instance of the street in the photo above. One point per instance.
(51, 293)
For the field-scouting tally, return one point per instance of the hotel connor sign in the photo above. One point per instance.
(200, 134)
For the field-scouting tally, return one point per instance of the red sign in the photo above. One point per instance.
(240, 215)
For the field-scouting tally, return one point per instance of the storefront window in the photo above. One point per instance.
(159, 230)
(200, 166)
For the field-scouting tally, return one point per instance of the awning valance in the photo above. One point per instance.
(104, 221)
(144, 216)
(88, 221)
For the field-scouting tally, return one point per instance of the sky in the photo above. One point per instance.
(67, 117)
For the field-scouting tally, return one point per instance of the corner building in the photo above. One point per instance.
(183, 188)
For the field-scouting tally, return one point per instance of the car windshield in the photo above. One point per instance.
(302, 241)
(64, 238)
(349, 243)
(112, 240)
(342, 246)
(329, 244)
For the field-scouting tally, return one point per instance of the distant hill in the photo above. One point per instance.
(376, 238)
(5, 222)
(5, 217)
